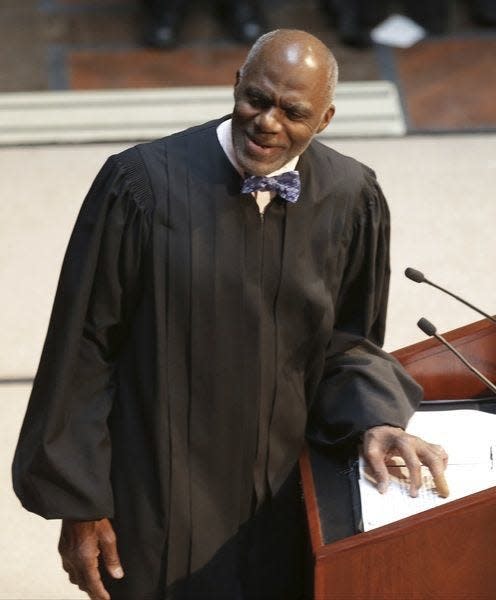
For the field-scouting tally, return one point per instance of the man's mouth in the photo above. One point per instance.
(258, 148)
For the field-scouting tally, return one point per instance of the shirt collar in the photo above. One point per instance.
(224, 135)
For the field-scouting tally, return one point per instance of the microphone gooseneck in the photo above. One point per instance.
(419, 277)
(429, 329)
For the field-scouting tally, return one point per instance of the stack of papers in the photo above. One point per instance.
(469, 438)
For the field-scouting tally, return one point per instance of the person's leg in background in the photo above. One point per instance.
(483, 12)
(163, 20)
(243, 19)
(433, 15)
(355, 18)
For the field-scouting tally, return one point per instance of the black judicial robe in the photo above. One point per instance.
(188, 343)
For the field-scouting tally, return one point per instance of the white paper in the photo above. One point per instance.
(399, 31)
(469, 438)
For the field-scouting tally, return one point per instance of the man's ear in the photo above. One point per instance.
(326, 119)
(238, 78)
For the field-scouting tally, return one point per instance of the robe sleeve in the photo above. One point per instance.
(362, 385)
(62, 461)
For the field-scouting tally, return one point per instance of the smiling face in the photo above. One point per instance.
(281, 102)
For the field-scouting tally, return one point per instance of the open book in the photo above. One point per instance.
(469, 438)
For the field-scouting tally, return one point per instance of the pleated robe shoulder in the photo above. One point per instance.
(189, 341)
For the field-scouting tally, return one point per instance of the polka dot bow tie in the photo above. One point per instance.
(287, 185)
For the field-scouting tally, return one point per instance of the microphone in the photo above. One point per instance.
(419, 277)
(429, 329)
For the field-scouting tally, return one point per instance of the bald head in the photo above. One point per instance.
(282, 99)
(298, 49)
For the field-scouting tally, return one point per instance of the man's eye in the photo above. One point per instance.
(294, 116)
(258, 101)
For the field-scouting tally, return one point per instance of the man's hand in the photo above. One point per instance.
(81, 542)
(382, 442)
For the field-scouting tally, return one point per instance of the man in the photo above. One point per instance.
(199, 318)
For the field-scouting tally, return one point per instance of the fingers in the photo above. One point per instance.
(376, 460)
(92, 583)
(407, 450)
(83, 572)
(441, 485)
(436, 458)
(80, 545)
(384, 441)
(85, 575)
(108, 545)
(70, 571)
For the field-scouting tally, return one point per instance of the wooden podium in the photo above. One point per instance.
(447, 552)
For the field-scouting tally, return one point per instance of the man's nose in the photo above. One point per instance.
(268, 120)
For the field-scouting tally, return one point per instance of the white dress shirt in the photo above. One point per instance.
(262, 197)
